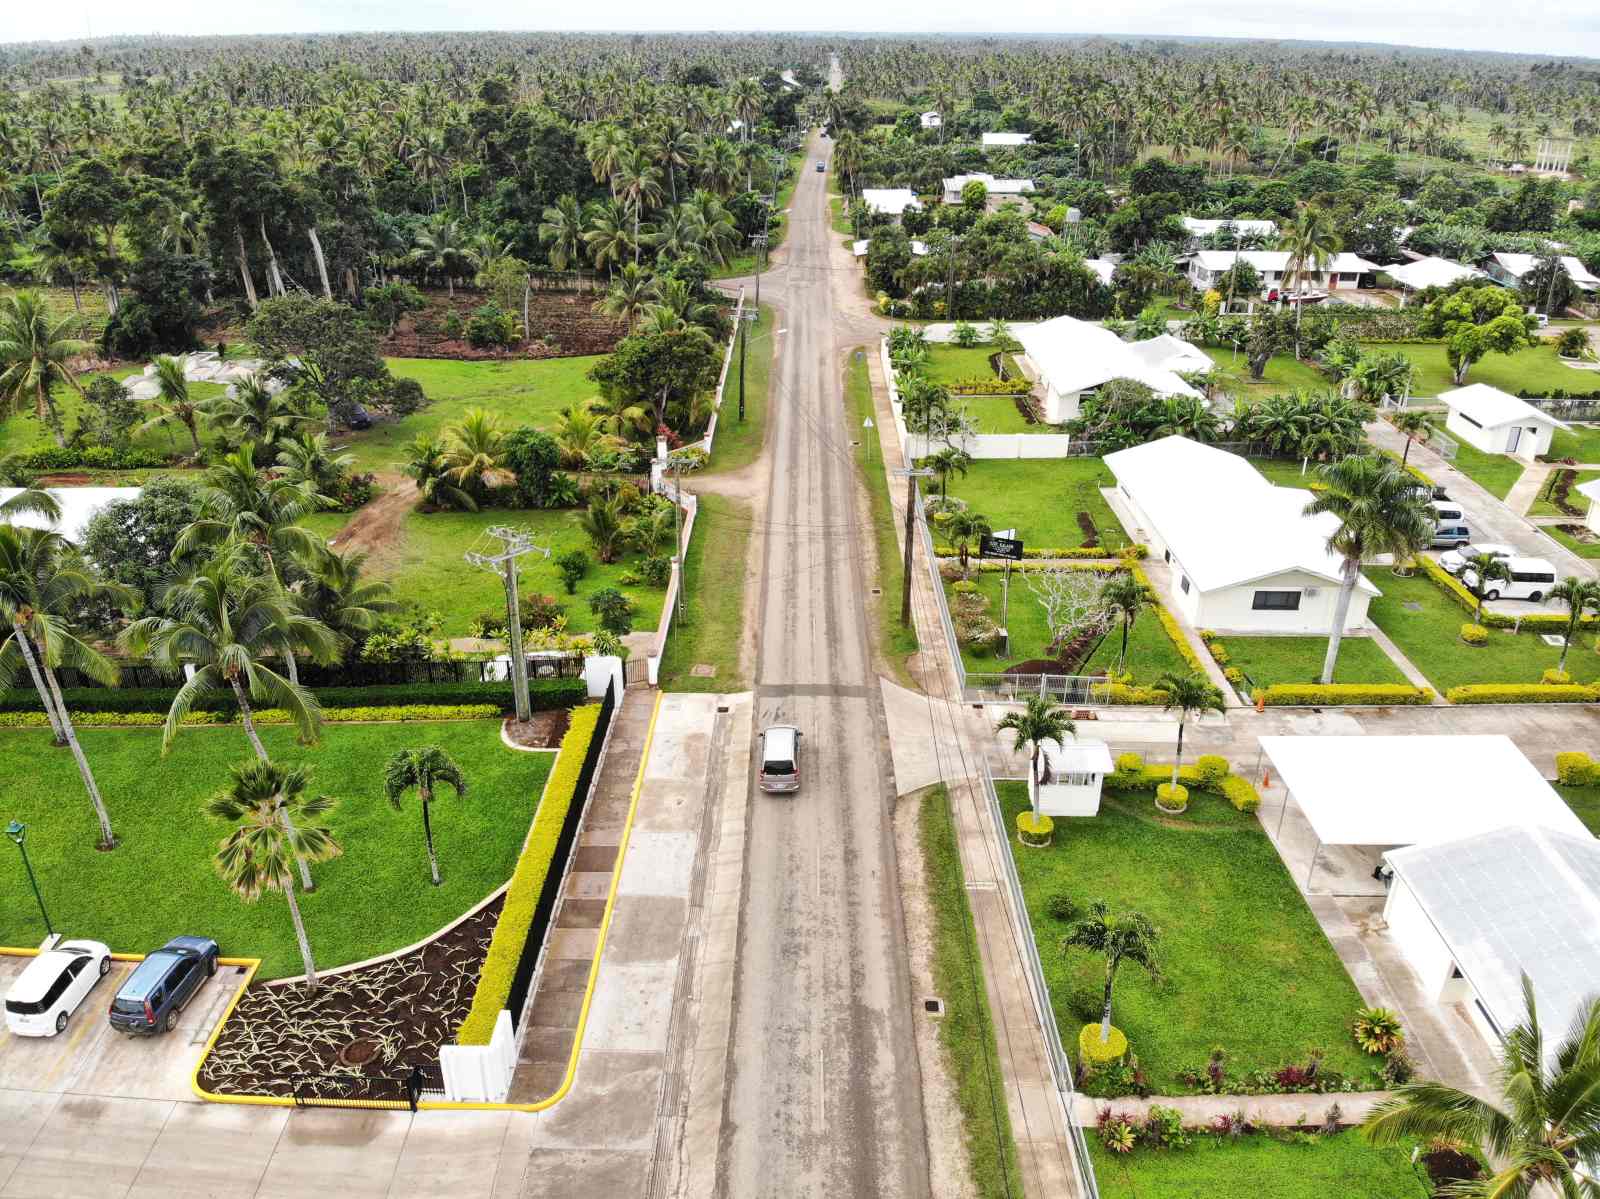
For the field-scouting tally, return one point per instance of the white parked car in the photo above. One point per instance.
(1455, 561)
(1531, 579)
(45, 995)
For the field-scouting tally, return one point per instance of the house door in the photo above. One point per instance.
(1513, 439)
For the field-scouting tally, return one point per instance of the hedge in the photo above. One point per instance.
(1545, 622)
(1174, 631)
(1577, 769)
(527, 881)
(91, 720)
(989, 386)
(1318, 695)
(1125, 693)
(1135, 550)
(94, 457)
(1132, 774)
(1522, 693)
(543, 695)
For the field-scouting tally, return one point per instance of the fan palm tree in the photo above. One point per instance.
(1414, 424)
(275, 831)
(1578, 596)
(428, 464)
(1124, 596)
(1191, 695)
(424, 770)
(40, 583)
(561, 233)
(1381, 510)
(173, 404)
(35, 355)
(1120, 937)
(1543, 1131)
(1041, 720)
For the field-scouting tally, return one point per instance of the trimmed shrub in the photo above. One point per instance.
(1319, 695)
(368, 715)
(1035, 832)
(1034, 553)
(1093, 1051)
(1129, 763)
(1577, 769)
(1474, 634)
(1210, 770)
(1555, 678)
(1124, 693)
(1241, 793)
(527, 881)
(1172, 798)
(1377, 1030)
(1522, 693)
(1061, 906)
(543, 695)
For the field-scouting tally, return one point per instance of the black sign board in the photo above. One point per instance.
(1000, 547)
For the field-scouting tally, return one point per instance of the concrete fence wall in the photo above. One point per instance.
(481, 1073)
(705, 442)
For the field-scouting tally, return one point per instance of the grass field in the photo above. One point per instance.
(22, 432)
(1040, 498)
(711, 629)
(739, 442)
(1584, 549)
(1284, 373)
(1246, 966)
(1585, 802)
(1268, 660)
(1536, 369)
(895, 641)
(1582, 443)
(1543, 507)
(1495, 473)
(966, 1031)
(1286, 472)
(1342, 1165)
(1429, 634)
(999, 414)
(160, 882)
(950, 363)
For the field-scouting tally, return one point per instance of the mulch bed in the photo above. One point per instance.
(543, 730)
(379, 1021)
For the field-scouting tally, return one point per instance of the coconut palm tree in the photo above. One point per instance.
(173, 405)
(28, 500)
(275, 831)
(35, 353)
(240, 503)
(579, 431)
(602, 522)
(1125, 597)
(440, 246)
(476, 456)
(335, 592)
(40, 583)
(1120, 937)
(1414, 424)
(423, 769)
(1041, 720)
(561, 233)
(1541, 1134)
(307, 461)
(251, 411)
(1191, 695)
(1312, 240)
(428, 464)
(628, 296)
(1577, 596)
(1381, 510)
(607, 234)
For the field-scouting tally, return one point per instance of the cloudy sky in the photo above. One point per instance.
(1554, 27)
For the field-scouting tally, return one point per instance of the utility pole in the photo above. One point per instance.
(746, 317)
(514, 543)
(911, 531)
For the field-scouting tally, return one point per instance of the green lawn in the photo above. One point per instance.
(999, 414)
(1582, 443)
(1285, 472)
(1268, 660)
(159, 881)
(896, 641)
(738, 443)
(1246, 965)
(1284, 373)
(711, 629)
(951, 363)
(1585, 802)
(1543, 507)
(1040, 498)
(966, 1031)
(1430, 637)
(1495, 473)
(21, 432)
(1150, 651)
(1584, 549)
(1342, 1165)
(1536, 369)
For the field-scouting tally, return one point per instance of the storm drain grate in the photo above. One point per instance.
(933, 1006)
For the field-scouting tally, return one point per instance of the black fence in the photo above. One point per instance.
(522, 980)
(392, 1092)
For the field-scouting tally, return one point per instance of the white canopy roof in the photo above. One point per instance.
(1278, 260)
(1103, 270)
(890, 201)
(78, 505)
(1235, 526)
(995, 187)
(1074, 355)
(1204, 226)
(1430, 272)
(1520, 264)
(1510, 901)
(1078, 757)
(1169, 353)
(1490, 407)
(1417, 790)
(1007, 139)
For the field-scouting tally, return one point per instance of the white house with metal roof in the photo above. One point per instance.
(1070, 358)
(1202, 227)
(1243, 555)
(1496, 423)
(889, 201)
(931, 120)
(1206, 267)
(998, 190)
(993, 141)
(1168, 353)
(1509, 268)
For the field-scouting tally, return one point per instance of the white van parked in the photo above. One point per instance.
(1448, 512)
(1531, 579)
(780, 758)
(45, 995)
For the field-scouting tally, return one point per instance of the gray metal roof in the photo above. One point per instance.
(1514, 900)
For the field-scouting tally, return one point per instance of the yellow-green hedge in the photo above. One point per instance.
(1474, 634)
(1093, 1050)
(1577, 769)
(1241, 793)
(1174, 631)
(1035, 831)
(1541, 622)
(527, 881)
(32, 720)
(1522, 693)
(1124, 693)
(1317, 695)
(1171, 798)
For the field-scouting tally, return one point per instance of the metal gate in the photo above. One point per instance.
(636, 672)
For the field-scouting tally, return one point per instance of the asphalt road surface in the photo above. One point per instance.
(826, 1092)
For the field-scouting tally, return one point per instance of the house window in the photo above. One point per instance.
(1183, 582)
(1276, 601)
(1077, 778)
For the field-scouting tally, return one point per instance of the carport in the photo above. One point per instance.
(1359, 794)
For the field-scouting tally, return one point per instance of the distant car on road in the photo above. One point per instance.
(1455, 561)
(162, 985)
(821, 166)
(44, 996)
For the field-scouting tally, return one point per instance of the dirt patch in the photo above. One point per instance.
(375, 527)
(542, 730)
(560, 324)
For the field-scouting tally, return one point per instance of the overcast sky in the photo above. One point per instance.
(1554, 27)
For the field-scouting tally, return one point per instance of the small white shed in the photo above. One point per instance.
(1591, 492)
(931, 120)
(1496, 423)
(1073, 776)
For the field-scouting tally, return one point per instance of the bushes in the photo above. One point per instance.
(1377, 1031)
(264, 716)
(1210, 770)
(1321, 695)
(1555, 677)
(1126, 693)
(1522, 693)
(1547, 622)
(990, 385)
(543, 695)
(1577, 769)
(1093, 1051)
(1474, 634)
(1135, 551)
(93, 457)
(1173, 798)
(1210, 775)
(527, 881)
(1035, 831)
(1241, 793)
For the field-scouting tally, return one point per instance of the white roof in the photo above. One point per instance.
(1510, 901)
(1491, 407)
(1169, 353)
(1078, 757)
(996, 187)
(860, 248)
(1103, 269)
(1222, 520)
(1520, 264)
(1417, 790)
(1204, 227)
(1073, 355)
(1430, 272)
(1590, 490)
(1277, 260)
(1007, 139)
(889, 200)
(78, 504)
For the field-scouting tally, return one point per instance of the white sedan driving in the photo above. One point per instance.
(44, 996)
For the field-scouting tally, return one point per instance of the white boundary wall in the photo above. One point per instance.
(722, 379)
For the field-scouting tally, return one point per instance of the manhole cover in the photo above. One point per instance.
(703, 670)
(358, 1052)
(1412, 606)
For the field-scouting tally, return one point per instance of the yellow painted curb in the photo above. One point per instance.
(251, 965)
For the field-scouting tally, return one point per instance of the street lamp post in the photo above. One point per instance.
(18, 832)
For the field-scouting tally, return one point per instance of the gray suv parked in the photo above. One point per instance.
(162, 985)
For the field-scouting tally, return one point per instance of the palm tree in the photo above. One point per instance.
(601, 521)
(1123, 937)
(1578, 596)
(607, 234)
(39, 586)
(251, 411)
(1312, 240)
(476, 456)
(948, 461)
(1192, 695)
(628, 296)
(1041, 720)
(173, 405)
(639, 186)
(34, 355)
(428, 464)
(275, 831)
(1485, 568)
(1414, 424)
(1541, 1134)
(561, 231)
(1126, 597)
(965, 528)
(309, 462)
(1381, 510)
(423, 769)
(440, 247)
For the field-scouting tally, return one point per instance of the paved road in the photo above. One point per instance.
(826, 1092)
